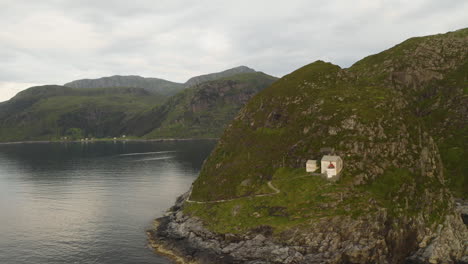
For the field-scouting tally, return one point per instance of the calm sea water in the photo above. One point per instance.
(90, 203)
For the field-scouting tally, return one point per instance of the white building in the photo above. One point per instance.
(311, 166)
(331, 165)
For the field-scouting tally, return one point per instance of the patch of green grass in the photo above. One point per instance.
(269, 131)
(303, 198)
(391, 190)
(389, 184)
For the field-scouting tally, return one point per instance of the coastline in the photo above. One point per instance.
(105, 140)
(184, 240)
(161, 249)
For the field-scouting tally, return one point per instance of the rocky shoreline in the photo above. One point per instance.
(461, 206)
(183, 239)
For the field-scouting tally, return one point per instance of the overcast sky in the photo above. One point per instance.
(57, 41)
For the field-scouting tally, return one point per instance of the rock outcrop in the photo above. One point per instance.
(340, 240)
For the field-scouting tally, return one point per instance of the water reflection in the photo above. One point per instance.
(89, 203)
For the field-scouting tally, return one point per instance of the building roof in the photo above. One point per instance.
(311, 162)
(331, 166)
(331, 158)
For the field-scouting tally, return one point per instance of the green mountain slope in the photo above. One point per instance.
(50, 112)
(398, 119)
(200, 111)
(218, 75)
(310, 108)
(432, 73)
(155, 85)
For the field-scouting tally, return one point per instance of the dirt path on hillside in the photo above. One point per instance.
(269, 184)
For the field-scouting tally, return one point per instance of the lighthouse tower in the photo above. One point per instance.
(331, 170)
(331, 166)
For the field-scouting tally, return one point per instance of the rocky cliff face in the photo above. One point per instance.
(339, 240)
(229, 91)
(392, 203)
(201, 111)
(432, 74)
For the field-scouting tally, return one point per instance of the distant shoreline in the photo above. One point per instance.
(104, 140)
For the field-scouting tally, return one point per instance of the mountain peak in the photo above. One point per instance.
(242, 68)
(218, 75)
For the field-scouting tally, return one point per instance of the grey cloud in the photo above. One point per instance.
(434, 7)
(56, 41)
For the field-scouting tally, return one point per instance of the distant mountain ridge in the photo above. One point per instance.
(130, 105)
(160, 86)
(202, 110)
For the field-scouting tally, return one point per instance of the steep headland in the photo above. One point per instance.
(398, 119)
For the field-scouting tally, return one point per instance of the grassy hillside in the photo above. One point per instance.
(51, 112)
(290, 122)
(418, 85)
(432, 73)
(398, 119)
(200, 111)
